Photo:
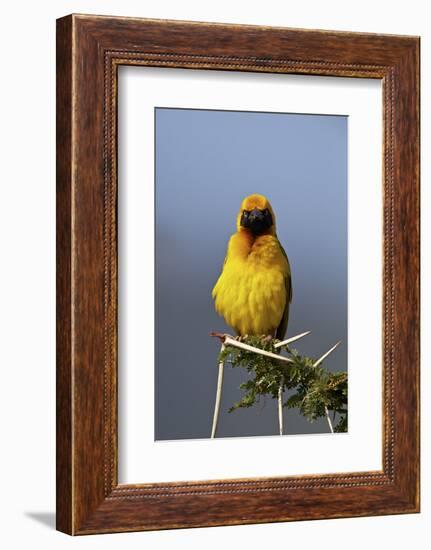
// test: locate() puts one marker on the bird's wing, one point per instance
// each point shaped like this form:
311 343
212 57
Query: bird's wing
282 327
215 289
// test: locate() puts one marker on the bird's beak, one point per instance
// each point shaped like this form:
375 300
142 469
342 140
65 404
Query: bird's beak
256 216
257 220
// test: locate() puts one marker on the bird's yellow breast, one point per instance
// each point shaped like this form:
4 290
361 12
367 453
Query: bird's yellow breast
251 292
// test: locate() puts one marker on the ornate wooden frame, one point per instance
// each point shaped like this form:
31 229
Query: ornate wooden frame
89 50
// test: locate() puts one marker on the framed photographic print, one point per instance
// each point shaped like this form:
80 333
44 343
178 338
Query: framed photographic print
237 274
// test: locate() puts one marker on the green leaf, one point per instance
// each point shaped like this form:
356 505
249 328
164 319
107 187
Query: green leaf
314 387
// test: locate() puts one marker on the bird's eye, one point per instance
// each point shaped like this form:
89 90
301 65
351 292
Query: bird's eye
245 213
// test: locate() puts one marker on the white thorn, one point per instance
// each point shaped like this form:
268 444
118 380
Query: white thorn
231 342
292 339
329 420
317 363
325 355
280 409
218 396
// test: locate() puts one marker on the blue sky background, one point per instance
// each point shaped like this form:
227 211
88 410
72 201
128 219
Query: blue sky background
206 163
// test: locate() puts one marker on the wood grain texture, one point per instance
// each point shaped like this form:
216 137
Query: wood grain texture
90 49
64 495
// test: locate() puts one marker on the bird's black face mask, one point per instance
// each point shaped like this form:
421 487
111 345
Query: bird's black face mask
258 221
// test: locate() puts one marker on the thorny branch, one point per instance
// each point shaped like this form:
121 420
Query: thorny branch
316 391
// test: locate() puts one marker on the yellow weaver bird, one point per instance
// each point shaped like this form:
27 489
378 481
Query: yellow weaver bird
254 290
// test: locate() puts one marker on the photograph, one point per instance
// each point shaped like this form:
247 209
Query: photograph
251 279
237 272
215 275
